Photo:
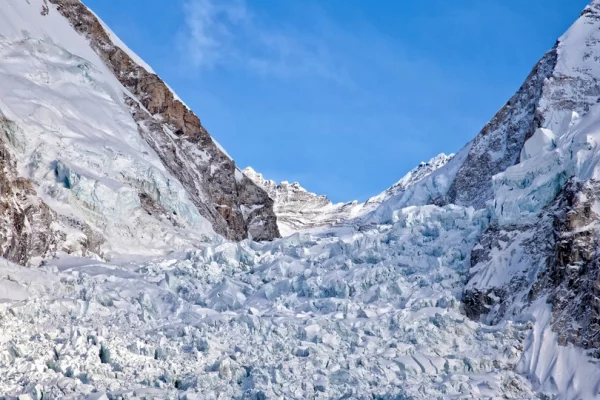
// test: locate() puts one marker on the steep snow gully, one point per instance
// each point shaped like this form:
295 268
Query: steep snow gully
129 268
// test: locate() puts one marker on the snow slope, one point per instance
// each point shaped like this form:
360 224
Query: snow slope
212 181
117 177
77 140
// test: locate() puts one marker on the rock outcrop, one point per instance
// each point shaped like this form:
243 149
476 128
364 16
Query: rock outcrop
561 88
236 207
555 259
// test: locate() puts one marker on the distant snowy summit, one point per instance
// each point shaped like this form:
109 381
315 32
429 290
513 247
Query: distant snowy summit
423 170
298 209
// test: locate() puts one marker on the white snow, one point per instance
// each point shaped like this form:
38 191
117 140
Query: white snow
431 187
564 370
543 140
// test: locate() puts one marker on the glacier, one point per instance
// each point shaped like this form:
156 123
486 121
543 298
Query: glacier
474 276
334 314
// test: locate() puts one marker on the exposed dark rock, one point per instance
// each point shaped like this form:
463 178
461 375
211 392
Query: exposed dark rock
235 206
499 143
477 303
562 264
573 277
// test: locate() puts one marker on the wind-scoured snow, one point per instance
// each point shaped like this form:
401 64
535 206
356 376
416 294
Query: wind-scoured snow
565 370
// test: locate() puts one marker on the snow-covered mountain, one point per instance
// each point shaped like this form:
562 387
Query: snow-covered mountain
298 209
109 158
475 276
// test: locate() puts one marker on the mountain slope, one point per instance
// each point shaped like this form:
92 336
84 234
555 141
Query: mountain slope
107 147
561 88
175 133
297 209
538 257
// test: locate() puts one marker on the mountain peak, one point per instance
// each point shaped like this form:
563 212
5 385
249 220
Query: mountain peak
298 209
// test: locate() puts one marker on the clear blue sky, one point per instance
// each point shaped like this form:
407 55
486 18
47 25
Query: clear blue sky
344 96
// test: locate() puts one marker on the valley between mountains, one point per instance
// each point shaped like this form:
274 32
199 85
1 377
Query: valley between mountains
139 262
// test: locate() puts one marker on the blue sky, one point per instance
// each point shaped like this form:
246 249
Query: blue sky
344 96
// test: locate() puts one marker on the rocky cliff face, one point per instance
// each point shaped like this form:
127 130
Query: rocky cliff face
573 274
561 88
298 209
232 203
554 260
